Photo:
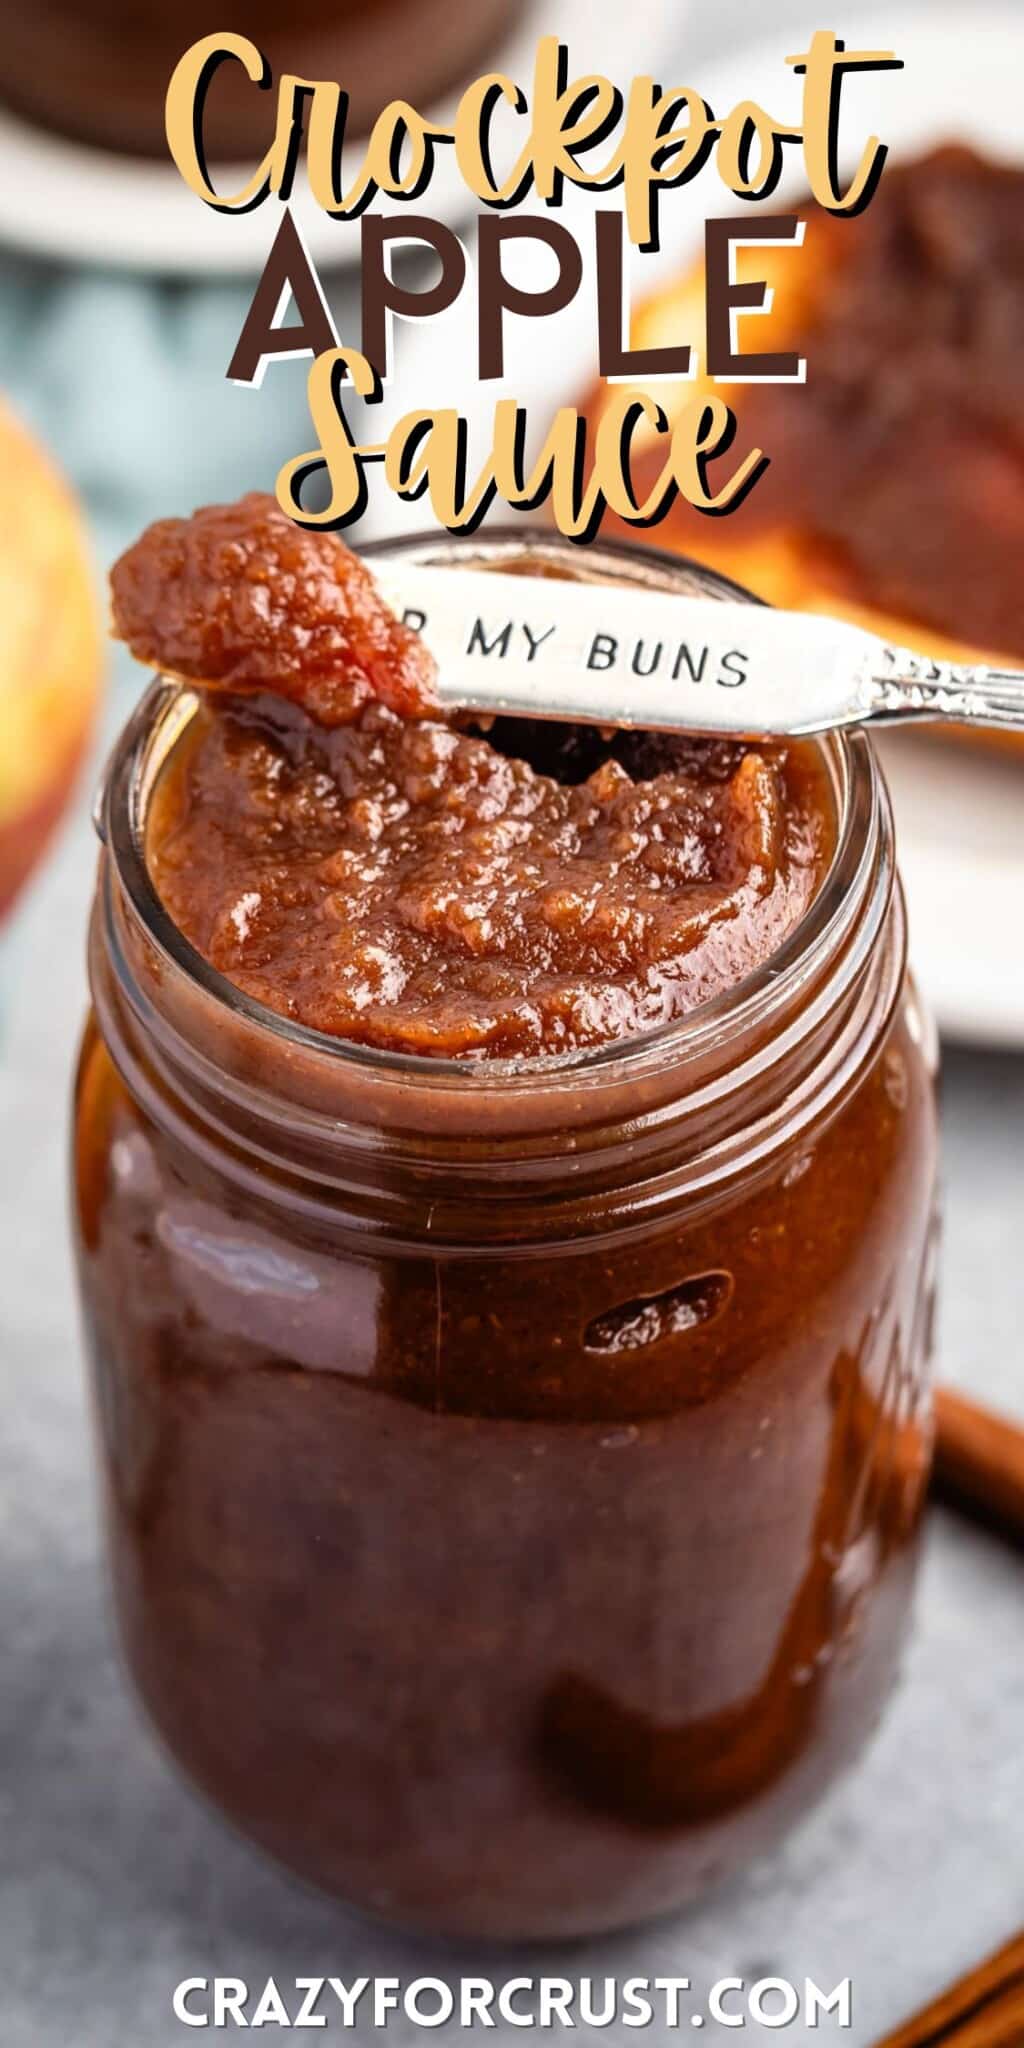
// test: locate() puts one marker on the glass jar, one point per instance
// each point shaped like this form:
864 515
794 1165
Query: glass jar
512 1474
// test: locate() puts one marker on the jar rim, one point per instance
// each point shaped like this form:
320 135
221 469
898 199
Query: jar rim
749 1006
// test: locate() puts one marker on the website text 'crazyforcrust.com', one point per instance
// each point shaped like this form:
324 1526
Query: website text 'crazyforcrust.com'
527 2002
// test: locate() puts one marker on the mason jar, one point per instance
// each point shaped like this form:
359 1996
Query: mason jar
512 1472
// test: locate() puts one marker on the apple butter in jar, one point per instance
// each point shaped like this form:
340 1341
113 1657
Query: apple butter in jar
504 1167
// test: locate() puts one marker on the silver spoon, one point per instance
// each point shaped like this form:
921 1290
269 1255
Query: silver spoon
630 655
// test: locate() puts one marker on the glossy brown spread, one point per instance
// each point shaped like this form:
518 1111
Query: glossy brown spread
240 598
399 882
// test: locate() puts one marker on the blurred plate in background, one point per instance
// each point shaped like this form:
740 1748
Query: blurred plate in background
960 838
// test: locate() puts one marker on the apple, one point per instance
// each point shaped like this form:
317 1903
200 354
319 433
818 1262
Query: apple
50 650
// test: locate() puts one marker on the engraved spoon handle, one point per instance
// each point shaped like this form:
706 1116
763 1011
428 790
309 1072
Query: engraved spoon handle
909 686
641 656
669 661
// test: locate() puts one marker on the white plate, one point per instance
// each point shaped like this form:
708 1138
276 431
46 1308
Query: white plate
960 832
63 199
959 813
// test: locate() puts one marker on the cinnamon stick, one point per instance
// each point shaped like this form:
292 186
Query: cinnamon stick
979 1465
984 2010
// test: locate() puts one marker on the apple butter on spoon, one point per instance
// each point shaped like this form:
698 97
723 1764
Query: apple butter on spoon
240 598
